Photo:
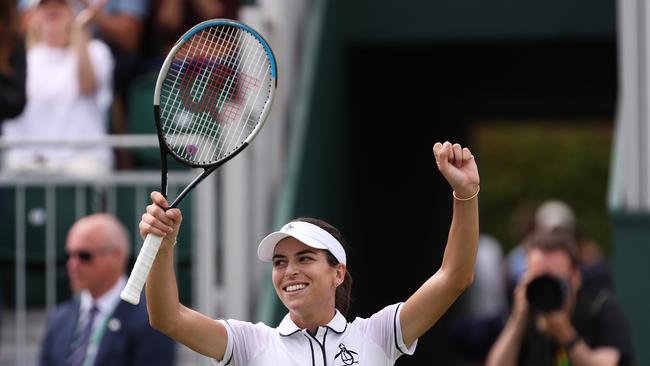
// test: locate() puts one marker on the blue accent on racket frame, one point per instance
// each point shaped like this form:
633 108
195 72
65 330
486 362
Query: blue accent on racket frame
217 22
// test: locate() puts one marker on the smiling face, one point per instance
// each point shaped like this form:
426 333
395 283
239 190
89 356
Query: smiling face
305 282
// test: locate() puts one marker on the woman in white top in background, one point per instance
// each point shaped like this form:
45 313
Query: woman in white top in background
311 279
68 93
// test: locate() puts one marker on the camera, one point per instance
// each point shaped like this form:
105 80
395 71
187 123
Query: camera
547 293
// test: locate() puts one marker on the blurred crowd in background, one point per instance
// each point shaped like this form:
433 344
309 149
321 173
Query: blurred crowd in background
487 310
70 66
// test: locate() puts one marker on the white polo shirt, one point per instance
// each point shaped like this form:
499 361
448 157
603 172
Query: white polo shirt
375 341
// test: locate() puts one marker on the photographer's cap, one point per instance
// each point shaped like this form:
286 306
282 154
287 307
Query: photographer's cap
555 214
308 234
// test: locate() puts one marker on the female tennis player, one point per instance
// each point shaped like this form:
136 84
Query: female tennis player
310 278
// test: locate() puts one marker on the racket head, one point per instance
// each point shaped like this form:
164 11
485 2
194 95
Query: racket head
214 92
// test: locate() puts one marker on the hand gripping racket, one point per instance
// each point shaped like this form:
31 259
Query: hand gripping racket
212 95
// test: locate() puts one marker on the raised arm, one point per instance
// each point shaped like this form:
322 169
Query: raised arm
435 296
166 313
80 39
121 29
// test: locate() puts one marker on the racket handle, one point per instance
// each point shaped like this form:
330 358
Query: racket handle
134 285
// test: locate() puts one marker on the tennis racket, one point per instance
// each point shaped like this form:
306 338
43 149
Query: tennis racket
212 96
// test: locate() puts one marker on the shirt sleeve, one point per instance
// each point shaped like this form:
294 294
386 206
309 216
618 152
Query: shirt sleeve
385 330
245 341
611 330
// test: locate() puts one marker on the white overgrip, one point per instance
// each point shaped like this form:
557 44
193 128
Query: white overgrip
138 277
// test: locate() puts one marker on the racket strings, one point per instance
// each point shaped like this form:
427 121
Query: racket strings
232 109
187 70
248 86
168 90
229 88
257 62
213 93
204 128
249 124
197 66
197 71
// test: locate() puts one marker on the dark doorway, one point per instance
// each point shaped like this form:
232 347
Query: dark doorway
402 98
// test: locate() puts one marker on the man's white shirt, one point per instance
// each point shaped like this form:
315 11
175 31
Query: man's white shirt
375 341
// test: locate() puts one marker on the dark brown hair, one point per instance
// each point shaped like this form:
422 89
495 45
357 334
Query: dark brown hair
551 240
344 290
8 34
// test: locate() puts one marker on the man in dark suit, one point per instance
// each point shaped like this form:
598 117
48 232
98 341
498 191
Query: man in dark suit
96 327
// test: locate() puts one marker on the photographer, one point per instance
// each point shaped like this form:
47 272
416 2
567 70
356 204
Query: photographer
555 323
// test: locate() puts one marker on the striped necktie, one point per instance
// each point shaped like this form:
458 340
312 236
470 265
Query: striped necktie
77 351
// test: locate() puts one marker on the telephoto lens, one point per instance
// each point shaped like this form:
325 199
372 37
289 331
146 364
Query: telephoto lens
547 293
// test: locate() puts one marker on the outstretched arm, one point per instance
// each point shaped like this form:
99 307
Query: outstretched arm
423 309
166 313
80 39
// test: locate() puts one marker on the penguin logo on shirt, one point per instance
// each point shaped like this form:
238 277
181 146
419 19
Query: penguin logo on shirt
347 356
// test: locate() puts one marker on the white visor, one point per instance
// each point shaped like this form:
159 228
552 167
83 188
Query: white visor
308 234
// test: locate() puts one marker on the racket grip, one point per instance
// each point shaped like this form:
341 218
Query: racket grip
134 285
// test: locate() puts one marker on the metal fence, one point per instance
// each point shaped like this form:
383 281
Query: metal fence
37 210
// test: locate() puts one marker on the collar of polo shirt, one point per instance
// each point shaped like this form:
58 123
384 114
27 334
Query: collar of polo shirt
287 327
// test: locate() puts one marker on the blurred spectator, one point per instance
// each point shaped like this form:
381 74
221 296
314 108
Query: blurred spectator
488 294
484 304
171 18
580 327
68 93
12 75
522 223
557 215
596 271
550 215
12 62
120 23
96 327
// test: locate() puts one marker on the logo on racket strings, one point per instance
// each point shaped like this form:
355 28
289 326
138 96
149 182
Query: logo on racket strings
214 88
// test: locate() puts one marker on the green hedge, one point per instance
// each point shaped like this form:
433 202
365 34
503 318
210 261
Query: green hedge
523 163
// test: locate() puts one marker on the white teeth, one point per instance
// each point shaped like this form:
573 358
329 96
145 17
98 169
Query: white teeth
293 288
